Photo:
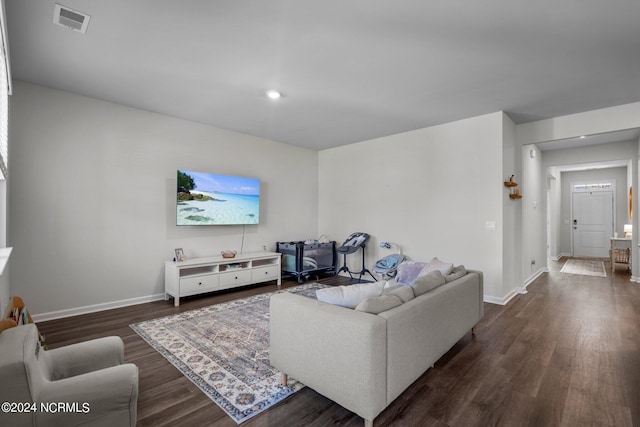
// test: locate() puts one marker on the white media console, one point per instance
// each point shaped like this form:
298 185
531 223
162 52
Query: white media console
201 275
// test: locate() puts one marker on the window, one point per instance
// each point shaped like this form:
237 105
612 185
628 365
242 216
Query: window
592 187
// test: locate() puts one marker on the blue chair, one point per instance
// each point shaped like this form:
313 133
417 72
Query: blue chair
388 266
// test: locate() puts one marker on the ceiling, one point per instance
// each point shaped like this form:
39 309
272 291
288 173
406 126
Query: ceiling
349 70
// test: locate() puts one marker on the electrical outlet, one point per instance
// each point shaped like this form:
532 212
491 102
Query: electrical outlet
533 262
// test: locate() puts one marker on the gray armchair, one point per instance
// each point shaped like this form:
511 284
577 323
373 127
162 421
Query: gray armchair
84 384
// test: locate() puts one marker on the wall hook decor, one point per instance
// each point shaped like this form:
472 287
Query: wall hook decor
513 186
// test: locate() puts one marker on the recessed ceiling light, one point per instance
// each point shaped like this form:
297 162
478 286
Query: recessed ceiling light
583 137
274 94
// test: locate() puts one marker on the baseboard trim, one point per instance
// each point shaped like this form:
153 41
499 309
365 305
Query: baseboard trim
60 314
515 291
533 277
500 301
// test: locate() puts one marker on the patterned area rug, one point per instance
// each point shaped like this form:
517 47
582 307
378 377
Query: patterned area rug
224 350
585 267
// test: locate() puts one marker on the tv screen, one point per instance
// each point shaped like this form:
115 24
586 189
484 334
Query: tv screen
211 199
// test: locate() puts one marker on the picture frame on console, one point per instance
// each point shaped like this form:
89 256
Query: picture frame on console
179 254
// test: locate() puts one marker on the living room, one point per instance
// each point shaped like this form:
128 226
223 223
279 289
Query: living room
121 161
90 209
107 249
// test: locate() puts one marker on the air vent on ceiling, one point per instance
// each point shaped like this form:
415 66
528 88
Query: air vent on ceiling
71 19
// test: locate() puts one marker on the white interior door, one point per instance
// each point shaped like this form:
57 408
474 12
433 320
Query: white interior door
592 223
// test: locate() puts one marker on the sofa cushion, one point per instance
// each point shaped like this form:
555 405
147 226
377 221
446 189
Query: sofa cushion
404 292
375 305
435 264
428 282
456 273
408 271
351 295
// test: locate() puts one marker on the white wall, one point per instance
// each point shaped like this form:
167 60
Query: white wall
91 197
512 214
430 190
611 119
554 213
593 154
534 246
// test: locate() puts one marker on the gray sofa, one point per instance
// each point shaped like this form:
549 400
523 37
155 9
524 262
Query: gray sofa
84 384
363 361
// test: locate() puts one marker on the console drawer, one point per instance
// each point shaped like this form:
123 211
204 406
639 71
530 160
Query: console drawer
235 278
198 284
266 273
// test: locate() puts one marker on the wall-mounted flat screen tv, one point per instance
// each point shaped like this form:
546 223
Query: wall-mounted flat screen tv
212 199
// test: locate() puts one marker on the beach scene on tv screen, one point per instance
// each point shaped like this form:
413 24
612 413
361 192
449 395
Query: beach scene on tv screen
211 199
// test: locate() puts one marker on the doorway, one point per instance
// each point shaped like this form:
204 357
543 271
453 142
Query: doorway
562 182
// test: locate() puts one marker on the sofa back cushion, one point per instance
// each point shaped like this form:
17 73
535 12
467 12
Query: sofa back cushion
428 282
350 296
375 305
404 292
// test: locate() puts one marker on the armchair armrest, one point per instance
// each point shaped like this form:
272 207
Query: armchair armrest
77 359
109 394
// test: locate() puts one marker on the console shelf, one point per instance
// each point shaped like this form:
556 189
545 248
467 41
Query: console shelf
201 275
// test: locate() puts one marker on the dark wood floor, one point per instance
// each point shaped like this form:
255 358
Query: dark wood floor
567 353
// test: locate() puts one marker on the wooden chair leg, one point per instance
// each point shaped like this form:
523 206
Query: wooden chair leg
283 379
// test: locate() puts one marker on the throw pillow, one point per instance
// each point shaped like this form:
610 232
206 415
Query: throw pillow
375 305
435 264
351 295
428 282
456 273
404 292
408 271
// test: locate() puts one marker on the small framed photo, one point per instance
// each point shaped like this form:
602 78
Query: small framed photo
179 254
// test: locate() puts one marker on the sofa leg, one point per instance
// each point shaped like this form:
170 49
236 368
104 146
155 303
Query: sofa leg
368 423
474 330
283 379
